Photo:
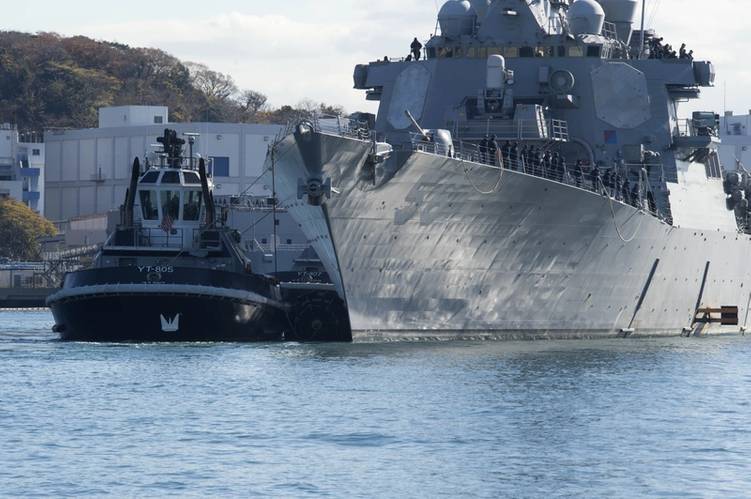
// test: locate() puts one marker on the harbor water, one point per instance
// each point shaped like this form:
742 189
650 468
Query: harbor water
615 418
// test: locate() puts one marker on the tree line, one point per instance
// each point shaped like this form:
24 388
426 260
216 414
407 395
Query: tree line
50 81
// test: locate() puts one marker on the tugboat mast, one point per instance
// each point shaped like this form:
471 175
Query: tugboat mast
273 207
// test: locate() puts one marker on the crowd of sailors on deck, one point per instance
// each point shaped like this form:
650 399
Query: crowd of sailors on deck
659 51
534 160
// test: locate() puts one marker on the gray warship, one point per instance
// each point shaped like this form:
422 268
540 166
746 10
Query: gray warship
529 174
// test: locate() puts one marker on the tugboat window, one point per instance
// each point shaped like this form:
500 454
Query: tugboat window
149 206
171 178
191 178
150 178
171 204
192 205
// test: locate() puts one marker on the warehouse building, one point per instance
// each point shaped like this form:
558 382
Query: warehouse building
22 167
735 132
87 170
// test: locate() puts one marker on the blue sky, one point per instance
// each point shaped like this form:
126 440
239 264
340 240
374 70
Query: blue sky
303 49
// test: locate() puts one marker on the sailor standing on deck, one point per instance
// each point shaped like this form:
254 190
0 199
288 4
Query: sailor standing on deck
514 157
596 180
506 154
416 48
578 173
626 191
492 151
484 150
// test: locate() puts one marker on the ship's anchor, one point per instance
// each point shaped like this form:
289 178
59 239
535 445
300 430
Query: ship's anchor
315 188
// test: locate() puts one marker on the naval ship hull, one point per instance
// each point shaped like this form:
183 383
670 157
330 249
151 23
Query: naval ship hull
167 309
434 250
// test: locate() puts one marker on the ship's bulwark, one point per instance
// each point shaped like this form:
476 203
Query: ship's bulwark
427 254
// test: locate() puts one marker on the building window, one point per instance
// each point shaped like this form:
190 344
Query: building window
158 120
36 152
221 166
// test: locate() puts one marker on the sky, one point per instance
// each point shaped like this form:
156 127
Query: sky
293 50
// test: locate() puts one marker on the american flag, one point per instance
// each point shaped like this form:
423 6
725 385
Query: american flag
167 224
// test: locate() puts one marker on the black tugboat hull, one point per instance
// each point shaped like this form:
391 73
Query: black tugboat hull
167 317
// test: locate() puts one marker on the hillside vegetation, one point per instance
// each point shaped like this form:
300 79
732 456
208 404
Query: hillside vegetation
50 81
20 230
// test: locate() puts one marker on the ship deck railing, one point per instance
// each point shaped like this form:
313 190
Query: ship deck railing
343 127
688 135
552 130
688 128
602 180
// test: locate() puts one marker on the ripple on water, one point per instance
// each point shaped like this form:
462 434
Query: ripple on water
620 418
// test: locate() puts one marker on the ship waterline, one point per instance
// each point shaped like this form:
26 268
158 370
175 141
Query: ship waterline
436 250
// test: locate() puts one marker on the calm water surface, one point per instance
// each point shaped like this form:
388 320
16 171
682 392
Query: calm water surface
581 418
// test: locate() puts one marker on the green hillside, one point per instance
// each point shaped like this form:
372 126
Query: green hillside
50 81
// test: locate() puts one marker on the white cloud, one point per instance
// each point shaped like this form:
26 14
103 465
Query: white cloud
717 31
287 59
309 51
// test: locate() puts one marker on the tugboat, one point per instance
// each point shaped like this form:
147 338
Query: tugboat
173 271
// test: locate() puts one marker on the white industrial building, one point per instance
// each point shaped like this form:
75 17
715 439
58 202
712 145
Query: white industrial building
87 171
22 161
735 132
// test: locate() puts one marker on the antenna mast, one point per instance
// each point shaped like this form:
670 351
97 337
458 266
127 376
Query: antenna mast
643 16
273 207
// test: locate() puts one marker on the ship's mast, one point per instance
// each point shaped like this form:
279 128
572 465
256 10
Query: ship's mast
643 16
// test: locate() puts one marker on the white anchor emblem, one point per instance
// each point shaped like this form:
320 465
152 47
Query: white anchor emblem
170 326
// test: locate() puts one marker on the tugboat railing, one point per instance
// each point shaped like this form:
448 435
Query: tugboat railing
141 238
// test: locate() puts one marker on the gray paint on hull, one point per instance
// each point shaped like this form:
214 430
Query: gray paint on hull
425 251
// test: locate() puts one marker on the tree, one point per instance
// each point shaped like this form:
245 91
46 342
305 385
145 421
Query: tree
251 104
21 228
214 85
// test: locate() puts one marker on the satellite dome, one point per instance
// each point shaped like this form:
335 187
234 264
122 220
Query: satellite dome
620 10
586 17
456 18
622 13
480 7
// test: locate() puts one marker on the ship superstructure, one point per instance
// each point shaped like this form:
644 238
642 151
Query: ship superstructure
529 174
